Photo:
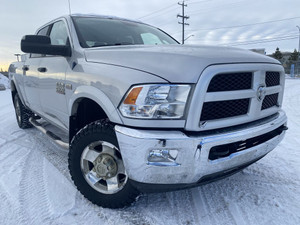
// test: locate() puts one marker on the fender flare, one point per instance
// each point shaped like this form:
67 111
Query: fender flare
97 96
13 82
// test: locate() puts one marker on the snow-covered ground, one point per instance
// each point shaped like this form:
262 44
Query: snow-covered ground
35 185
4 80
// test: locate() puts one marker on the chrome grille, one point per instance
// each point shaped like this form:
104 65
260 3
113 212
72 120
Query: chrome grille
215 105
224 83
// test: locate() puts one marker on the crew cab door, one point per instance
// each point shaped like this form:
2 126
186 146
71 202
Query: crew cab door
31 77
52 75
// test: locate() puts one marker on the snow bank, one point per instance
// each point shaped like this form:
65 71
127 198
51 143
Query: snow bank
4 80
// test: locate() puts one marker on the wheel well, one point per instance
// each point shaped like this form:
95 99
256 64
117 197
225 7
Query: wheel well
84 112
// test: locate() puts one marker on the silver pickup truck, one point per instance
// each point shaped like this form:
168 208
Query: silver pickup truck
141 113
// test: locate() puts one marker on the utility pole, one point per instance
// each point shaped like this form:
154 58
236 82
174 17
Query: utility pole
183 17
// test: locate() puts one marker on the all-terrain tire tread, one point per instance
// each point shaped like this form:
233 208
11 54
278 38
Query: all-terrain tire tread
107 129
26 114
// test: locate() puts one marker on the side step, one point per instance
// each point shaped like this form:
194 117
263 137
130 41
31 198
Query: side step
54 137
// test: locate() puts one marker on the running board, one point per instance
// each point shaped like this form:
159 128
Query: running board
54 137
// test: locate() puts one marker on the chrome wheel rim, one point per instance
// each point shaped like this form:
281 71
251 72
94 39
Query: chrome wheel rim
102 167
18 111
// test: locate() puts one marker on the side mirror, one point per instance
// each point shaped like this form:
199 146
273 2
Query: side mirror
40 44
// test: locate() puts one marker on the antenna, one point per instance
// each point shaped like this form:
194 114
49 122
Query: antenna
69 1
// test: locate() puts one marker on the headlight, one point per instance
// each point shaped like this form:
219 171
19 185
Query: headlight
158 101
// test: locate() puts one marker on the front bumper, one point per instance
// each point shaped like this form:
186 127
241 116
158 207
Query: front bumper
191 163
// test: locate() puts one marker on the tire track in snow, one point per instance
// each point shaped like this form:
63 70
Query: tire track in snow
199 204
12 164
181 203
174 204
230 209
56 155
203 200
258 193
5 155
32 191
188 203
8 141
276 181
212 207
8 218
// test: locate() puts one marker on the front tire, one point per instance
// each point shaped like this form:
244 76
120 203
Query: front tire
97 169
22 114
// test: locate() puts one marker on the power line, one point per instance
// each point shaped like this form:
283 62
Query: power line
283 39
157 11
245 25
217 7
168 8
238 26
293 34
197 2
260 41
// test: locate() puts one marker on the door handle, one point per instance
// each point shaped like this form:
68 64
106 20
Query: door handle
42 69
25 68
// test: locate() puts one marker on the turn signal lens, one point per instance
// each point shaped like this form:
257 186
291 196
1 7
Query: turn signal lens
132 96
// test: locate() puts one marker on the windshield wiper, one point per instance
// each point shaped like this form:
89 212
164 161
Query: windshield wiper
106 45
123 43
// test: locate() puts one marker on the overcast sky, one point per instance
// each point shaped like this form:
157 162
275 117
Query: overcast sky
242 23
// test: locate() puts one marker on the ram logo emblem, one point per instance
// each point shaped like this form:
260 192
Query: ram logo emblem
261 92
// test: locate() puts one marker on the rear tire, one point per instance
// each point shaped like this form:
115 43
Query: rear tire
22 114
97 169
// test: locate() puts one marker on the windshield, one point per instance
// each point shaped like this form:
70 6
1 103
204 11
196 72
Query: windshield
98 32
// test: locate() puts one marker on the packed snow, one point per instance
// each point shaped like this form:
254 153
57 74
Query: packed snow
35 185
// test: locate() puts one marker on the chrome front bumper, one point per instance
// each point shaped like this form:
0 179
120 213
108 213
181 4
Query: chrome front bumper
190 154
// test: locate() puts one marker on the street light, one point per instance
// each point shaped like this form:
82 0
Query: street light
298 52
17 56
189 37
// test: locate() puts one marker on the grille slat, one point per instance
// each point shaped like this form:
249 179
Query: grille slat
224 109
270 101
230 82
272 79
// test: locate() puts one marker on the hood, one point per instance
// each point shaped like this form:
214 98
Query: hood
174 63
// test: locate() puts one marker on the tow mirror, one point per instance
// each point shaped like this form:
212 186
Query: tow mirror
40 44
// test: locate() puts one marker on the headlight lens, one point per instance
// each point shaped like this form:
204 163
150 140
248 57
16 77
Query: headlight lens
155 101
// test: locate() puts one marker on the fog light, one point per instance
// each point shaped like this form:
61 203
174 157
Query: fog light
163 157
